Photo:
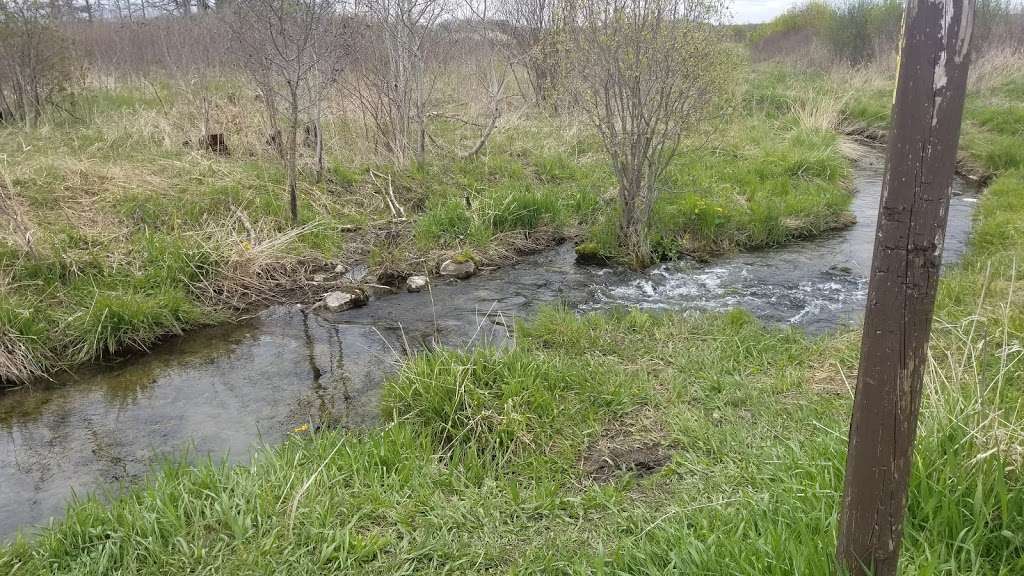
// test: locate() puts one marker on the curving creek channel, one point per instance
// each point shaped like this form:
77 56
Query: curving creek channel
227 390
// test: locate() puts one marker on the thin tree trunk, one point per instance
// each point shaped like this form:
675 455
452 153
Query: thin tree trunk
275 127
318 126
206 118
292 152
633 227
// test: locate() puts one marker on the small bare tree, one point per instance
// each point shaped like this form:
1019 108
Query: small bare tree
648 74
397 70
489 76
533 26
34 60
291 49
192 53
483 62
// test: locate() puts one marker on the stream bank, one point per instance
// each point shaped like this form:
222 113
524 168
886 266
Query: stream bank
224 390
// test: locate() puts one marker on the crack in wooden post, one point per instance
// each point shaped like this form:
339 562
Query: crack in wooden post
925 130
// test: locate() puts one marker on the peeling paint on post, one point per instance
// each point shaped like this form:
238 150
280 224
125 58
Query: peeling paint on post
923 138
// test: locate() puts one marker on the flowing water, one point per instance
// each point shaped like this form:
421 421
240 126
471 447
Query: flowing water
224 391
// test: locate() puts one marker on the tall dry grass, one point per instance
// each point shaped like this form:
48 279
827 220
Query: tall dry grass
995 66
15 225
822 111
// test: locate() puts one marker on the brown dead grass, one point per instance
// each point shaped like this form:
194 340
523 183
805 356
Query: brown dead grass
15 225
994 67
634 444
836 372
18 363
258 267
823 112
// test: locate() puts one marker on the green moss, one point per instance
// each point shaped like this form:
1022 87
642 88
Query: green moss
464 256
591 253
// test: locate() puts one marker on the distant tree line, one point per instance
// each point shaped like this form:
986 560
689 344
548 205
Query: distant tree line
857 32
124 10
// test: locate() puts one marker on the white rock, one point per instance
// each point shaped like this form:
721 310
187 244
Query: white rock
416 283
339 301
460 270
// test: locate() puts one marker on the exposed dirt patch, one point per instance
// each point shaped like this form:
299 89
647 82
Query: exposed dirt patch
639 460
635 444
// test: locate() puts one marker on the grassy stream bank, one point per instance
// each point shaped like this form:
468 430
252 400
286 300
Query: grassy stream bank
122 235
628 442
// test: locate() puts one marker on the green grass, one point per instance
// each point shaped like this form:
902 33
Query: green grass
133 227
482 465
772 187
514 189
478 469
768 178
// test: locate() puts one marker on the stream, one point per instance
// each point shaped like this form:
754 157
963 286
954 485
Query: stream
224 391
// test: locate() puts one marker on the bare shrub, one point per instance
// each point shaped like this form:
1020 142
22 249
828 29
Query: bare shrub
649 75
195 54
153 46
492 78
476 91
533 27
864 30
397 69
292 51
801 33
998 26
35 61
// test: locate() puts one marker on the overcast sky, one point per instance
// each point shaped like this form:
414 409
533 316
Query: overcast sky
746 11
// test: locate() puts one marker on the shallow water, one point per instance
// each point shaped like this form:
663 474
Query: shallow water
225 390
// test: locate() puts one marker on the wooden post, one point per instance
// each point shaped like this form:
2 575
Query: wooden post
922 146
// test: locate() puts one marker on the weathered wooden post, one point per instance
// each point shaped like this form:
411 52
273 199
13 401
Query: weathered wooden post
922 146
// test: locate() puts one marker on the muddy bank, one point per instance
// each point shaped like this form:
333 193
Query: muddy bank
966 168
223 391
